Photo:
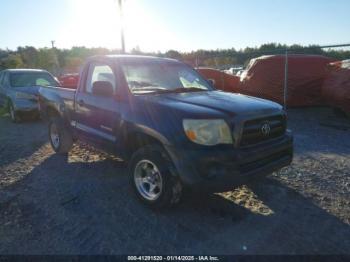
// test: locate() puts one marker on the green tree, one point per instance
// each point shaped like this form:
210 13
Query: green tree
72 64
29 56
12 61
173 54
47 59
69 60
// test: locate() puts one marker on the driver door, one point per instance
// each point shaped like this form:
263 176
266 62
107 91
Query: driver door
96 116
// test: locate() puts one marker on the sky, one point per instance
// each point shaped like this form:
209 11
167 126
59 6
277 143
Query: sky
184 25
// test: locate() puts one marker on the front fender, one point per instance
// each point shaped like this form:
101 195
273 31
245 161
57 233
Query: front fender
130 133
150 132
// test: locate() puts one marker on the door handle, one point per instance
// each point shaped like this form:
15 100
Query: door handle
81 102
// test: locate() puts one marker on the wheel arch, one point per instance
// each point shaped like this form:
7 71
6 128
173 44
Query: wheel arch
52 111
137 139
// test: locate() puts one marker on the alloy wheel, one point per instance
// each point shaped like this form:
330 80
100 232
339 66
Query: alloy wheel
148 180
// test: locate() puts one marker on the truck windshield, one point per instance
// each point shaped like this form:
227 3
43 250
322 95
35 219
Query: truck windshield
32 79
160 77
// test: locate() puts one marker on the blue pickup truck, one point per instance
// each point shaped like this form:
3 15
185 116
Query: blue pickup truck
173 129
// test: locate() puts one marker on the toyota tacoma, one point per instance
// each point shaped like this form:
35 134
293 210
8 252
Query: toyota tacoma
170 125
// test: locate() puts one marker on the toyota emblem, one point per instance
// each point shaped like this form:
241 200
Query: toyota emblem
265 129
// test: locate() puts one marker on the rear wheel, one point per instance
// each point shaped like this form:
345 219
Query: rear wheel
153 178
60 137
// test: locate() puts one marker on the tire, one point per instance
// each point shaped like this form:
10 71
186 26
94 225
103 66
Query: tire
13 113
60 137
150 167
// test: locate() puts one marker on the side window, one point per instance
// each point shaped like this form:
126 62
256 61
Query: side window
100 72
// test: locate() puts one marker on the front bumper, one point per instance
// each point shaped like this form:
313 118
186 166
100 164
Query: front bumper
24 106
221 169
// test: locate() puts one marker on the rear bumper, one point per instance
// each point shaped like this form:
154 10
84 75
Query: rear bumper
220 170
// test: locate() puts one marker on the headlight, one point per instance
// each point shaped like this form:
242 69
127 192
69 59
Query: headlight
21 95
207 132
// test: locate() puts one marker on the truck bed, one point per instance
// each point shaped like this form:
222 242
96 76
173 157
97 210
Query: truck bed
58 97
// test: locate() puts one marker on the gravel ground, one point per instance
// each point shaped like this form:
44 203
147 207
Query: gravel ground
82 205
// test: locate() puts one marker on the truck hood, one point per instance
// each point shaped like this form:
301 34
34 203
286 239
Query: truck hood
207 102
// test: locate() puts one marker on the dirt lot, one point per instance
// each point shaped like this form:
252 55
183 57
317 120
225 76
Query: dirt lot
82 205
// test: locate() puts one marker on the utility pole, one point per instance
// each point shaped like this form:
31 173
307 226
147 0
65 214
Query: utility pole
55 66
122 25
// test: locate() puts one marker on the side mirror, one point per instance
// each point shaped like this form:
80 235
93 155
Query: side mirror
102 88
211 81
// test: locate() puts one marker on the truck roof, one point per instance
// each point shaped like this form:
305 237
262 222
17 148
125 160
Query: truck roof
134 58
18 70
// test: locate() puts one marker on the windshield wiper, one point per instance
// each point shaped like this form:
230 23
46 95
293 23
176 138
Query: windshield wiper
148 89
162 90
182 90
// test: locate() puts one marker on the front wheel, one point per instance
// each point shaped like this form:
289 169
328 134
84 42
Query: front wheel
153 178
60 137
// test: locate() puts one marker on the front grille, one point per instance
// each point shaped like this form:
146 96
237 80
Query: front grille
252 130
